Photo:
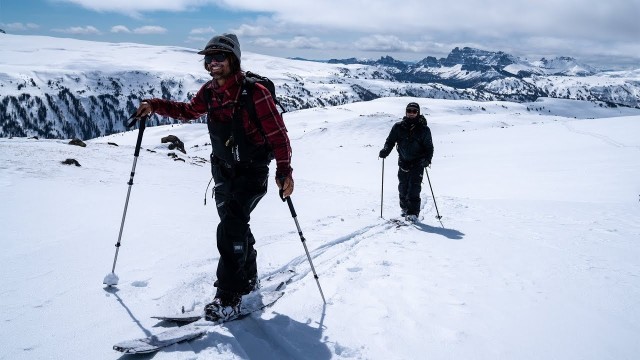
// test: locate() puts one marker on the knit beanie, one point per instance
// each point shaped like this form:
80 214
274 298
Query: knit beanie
224 42
413 105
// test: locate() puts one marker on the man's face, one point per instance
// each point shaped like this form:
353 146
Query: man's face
218 64
412 113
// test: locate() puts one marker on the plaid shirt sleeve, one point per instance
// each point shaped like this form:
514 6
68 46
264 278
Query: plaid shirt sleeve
181 110
274 130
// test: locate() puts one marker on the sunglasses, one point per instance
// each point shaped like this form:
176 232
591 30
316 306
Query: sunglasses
217 57
412 111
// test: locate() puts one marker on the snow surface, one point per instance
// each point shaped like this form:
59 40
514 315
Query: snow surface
537 255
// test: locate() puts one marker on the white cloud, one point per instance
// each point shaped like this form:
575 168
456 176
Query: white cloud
17 26
254 30
79 30
388 43
419 24
612 18
144 30
120 29
133 8
488 17
298 42
201 31
149 30
196 40
604 19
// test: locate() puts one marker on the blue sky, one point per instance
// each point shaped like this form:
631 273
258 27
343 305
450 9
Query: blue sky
599 33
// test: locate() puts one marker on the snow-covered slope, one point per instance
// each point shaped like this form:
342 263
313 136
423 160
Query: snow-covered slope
87 89
65 88
536 256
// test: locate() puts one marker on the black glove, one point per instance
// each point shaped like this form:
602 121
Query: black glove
382 154
425 162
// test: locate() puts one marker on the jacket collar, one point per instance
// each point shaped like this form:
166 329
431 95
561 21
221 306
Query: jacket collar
233 81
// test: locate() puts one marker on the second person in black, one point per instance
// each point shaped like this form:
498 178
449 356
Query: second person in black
415 151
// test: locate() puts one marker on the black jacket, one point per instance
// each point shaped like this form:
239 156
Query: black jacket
415 146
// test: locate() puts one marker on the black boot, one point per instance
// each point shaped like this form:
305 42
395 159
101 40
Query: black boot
225 306
252 285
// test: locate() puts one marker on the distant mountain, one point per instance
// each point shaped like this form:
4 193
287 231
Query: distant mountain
383 61
499 75
468 67
303 59
565 66
88 89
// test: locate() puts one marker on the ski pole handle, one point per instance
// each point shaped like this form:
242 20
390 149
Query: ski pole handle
289 203
143 125
134 119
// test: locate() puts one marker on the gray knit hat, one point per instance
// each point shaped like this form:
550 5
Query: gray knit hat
224 42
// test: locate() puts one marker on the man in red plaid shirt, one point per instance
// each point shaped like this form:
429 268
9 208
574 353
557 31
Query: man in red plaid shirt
242 150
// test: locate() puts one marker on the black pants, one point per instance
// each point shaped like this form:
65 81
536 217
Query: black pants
409 187
237 192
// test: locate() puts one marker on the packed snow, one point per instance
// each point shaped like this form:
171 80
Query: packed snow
535 257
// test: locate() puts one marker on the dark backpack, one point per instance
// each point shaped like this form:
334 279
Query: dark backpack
246 100
240 146
249 83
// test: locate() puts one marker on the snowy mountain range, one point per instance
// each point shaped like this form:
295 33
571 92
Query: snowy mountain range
497 64
65 88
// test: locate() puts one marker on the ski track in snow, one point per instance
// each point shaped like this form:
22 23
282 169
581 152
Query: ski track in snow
599 136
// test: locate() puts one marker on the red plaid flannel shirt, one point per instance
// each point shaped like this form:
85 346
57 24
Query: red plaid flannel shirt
222 98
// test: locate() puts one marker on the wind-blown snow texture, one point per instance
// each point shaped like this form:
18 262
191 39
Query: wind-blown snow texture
537 257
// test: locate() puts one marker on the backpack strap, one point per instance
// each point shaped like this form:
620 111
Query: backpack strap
268 84
246 101
208 93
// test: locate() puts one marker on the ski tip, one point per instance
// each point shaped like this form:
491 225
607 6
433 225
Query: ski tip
187 317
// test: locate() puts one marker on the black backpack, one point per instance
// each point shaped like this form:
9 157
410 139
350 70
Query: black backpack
241 146
249 83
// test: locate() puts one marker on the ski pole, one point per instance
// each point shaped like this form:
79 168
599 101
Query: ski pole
382 190
295 218
434 197
112 278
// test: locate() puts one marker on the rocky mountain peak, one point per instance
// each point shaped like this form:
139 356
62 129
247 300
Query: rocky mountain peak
471 56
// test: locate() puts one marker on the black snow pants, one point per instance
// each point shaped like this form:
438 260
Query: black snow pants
237 192
409 187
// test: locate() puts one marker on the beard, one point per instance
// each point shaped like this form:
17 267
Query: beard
219 71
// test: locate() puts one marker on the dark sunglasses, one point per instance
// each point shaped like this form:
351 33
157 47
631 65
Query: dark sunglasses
217 57
412 111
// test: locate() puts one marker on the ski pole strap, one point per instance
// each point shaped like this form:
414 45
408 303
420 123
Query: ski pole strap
133 118
206 191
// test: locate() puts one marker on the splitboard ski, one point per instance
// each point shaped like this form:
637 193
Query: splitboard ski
176 335
267 295
398 222
156 342
275 282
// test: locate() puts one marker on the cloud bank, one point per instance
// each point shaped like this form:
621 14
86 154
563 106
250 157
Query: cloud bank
540 27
